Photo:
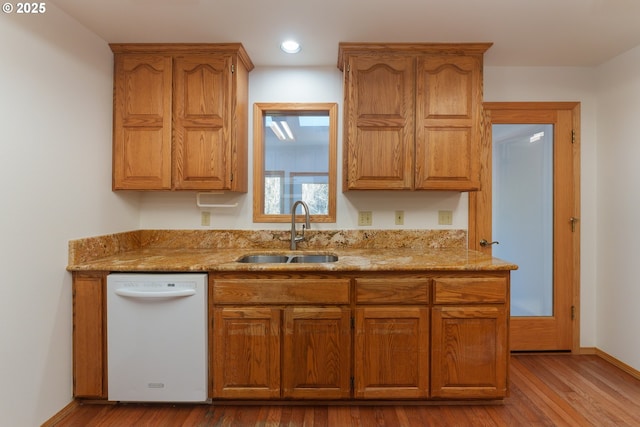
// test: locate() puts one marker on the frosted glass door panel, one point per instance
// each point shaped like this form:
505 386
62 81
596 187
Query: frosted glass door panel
523 213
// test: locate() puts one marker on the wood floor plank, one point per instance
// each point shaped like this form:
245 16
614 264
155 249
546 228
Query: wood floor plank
84 415
545 391
558 410
339 416
521 408
402 413
624 387
598 399
501 416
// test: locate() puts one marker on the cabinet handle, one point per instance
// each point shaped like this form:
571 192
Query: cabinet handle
484 243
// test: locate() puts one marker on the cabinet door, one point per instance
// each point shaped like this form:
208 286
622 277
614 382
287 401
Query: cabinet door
448 107
379 122
89 341
317 351
202 122
392 352
246 352
469 352
142 122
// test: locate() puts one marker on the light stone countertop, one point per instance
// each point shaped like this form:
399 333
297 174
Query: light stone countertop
189 251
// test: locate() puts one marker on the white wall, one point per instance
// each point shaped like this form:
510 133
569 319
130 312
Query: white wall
618 292
55 122
322 84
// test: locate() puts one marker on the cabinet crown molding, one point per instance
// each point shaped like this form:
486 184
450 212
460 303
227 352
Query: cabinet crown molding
347 48
185 48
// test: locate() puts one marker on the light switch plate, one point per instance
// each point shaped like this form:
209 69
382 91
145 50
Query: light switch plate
365 218
445 217
205 218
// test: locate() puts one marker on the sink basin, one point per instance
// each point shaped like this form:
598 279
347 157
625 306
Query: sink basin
284 259
264 259
313 258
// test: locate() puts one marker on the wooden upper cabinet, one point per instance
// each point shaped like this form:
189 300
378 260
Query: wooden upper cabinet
448 111
412 115
201 119
180 117
379 122
142 122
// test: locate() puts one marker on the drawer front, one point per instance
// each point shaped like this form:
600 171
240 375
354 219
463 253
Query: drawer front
392 291
489 290
281 291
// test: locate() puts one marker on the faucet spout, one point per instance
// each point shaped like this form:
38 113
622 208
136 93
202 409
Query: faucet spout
307 224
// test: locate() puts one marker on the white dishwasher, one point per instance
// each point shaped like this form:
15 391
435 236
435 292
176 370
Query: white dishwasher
157 337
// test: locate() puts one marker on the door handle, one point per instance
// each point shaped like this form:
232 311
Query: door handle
484 243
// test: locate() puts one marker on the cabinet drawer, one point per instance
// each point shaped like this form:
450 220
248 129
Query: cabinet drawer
392 291
281 291
489 290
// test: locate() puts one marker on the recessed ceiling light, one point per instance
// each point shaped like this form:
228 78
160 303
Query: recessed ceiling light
290 46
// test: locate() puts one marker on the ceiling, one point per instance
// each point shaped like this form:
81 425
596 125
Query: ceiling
524 32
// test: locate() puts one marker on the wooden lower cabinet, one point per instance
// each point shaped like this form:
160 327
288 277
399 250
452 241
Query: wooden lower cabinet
89 336
317 353
391 358
246 352
305 336
374 336
281 337
469 338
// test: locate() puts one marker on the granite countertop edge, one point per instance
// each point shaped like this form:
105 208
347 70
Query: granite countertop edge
349 260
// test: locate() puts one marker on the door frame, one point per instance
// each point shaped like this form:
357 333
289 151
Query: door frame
480 218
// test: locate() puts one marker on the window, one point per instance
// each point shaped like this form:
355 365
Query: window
294 159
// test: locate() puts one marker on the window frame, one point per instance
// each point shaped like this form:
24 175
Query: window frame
259 110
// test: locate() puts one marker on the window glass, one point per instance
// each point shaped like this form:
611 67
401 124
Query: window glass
294 159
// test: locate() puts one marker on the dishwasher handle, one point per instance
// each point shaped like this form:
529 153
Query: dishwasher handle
155 294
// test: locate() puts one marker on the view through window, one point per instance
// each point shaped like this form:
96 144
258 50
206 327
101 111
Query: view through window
295 155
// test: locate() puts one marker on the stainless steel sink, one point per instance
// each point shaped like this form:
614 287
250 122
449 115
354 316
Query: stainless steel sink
264 259
313 258
284 259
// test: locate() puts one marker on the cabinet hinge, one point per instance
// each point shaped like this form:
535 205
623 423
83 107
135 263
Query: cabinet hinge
233 68
353 323
352 382
573 312
573 136
348 67
232 177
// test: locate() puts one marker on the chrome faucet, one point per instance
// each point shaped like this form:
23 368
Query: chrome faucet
294 237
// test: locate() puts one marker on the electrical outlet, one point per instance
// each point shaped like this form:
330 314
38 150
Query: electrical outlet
399 217
205 218
365 218
445 217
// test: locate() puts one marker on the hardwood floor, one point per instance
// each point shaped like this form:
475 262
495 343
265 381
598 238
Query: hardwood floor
546 390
